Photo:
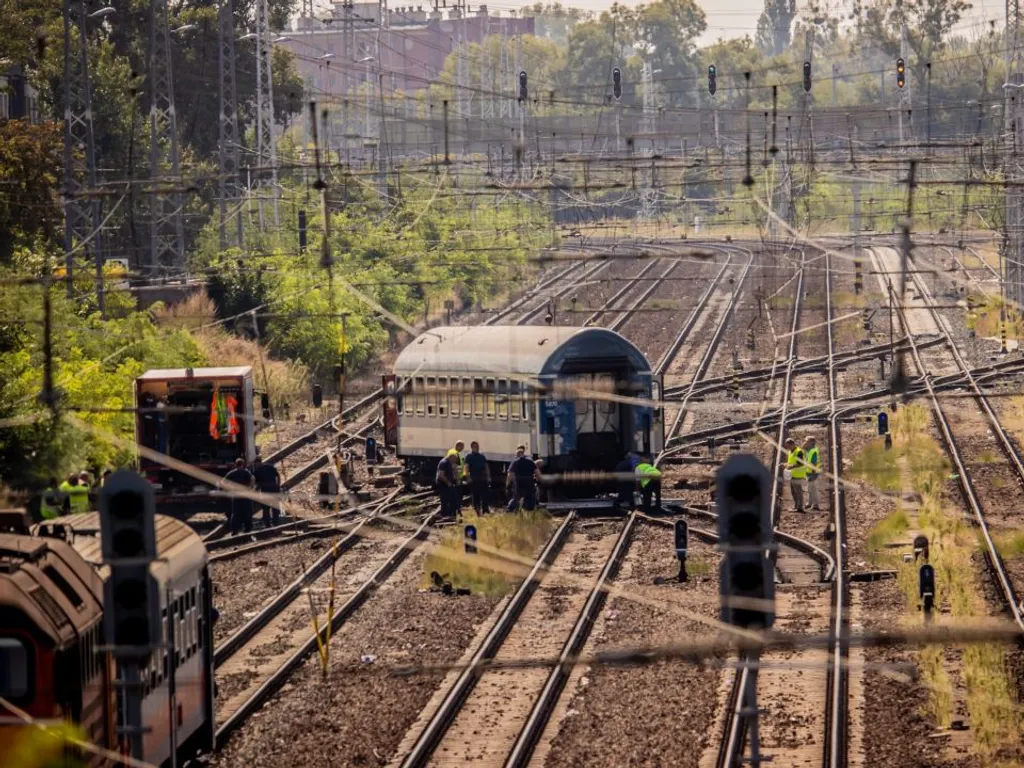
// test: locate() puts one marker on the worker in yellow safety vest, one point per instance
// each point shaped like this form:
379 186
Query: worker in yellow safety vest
77 495
812 457
51 501
796 471
649 478
454 455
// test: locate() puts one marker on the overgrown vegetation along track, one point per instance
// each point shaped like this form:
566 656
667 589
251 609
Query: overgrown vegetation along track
927 304
256 660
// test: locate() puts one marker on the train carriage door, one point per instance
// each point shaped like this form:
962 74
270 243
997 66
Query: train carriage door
390 411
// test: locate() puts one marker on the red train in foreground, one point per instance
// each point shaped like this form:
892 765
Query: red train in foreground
52 663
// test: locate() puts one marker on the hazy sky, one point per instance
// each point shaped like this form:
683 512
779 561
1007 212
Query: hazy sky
726 18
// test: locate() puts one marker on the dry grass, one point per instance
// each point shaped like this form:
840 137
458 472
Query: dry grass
286 382
995 721
520 534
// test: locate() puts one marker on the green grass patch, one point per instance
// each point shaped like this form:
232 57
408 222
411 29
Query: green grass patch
509 533
698 566
875 465
886 531
1009 545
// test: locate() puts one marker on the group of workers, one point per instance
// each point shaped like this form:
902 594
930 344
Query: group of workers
262 478
803 468
76 495
457 472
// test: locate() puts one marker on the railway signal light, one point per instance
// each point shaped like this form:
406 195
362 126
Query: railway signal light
921 547
807 76
131 596
470 535
712 75
522 85
318 396
617 83
743 489
901 73
926 587
682 537
302 231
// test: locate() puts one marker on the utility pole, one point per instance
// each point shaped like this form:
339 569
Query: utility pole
81 212
1013 201
167 236
228 166
266 145
905 100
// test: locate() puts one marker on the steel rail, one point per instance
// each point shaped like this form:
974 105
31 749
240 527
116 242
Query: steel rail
625 315
231 645
445 715
709 353
532 293
735 732
684 332
545 704
965 482
837 683
630 284
587 273
277 679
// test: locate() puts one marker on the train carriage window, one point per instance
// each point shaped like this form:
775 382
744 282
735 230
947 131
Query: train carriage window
502 399
14 669
420 395
467 398
526 403
489 398
431 394
515 400
442 395
405 399
582 406
478 398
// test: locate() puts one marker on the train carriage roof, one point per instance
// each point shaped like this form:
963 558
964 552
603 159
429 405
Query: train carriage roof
531 350
179 549
51 584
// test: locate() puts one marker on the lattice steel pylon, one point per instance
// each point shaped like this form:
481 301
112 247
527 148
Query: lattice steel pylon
167 236
1013 253
81 212
266 145
229 186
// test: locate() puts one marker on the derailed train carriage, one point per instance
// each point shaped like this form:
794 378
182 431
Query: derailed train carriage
508 385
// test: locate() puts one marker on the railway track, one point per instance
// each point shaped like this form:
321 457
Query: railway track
253 663
970 494
550 614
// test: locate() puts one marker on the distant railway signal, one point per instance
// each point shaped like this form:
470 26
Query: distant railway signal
807 76
523 91
901 73
712 75
743 489
617 83
470 539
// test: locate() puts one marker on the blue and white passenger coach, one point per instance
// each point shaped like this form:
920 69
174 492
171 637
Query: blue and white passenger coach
507 385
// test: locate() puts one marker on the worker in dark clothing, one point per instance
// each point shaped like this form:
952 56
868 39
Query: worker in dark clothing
626 482
479 477
268 480
522 481
649 478
241 506
448 490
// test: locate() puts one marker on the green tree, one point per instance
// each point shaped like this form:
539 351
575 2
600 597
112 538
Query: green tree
666 33
775 26
30 167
